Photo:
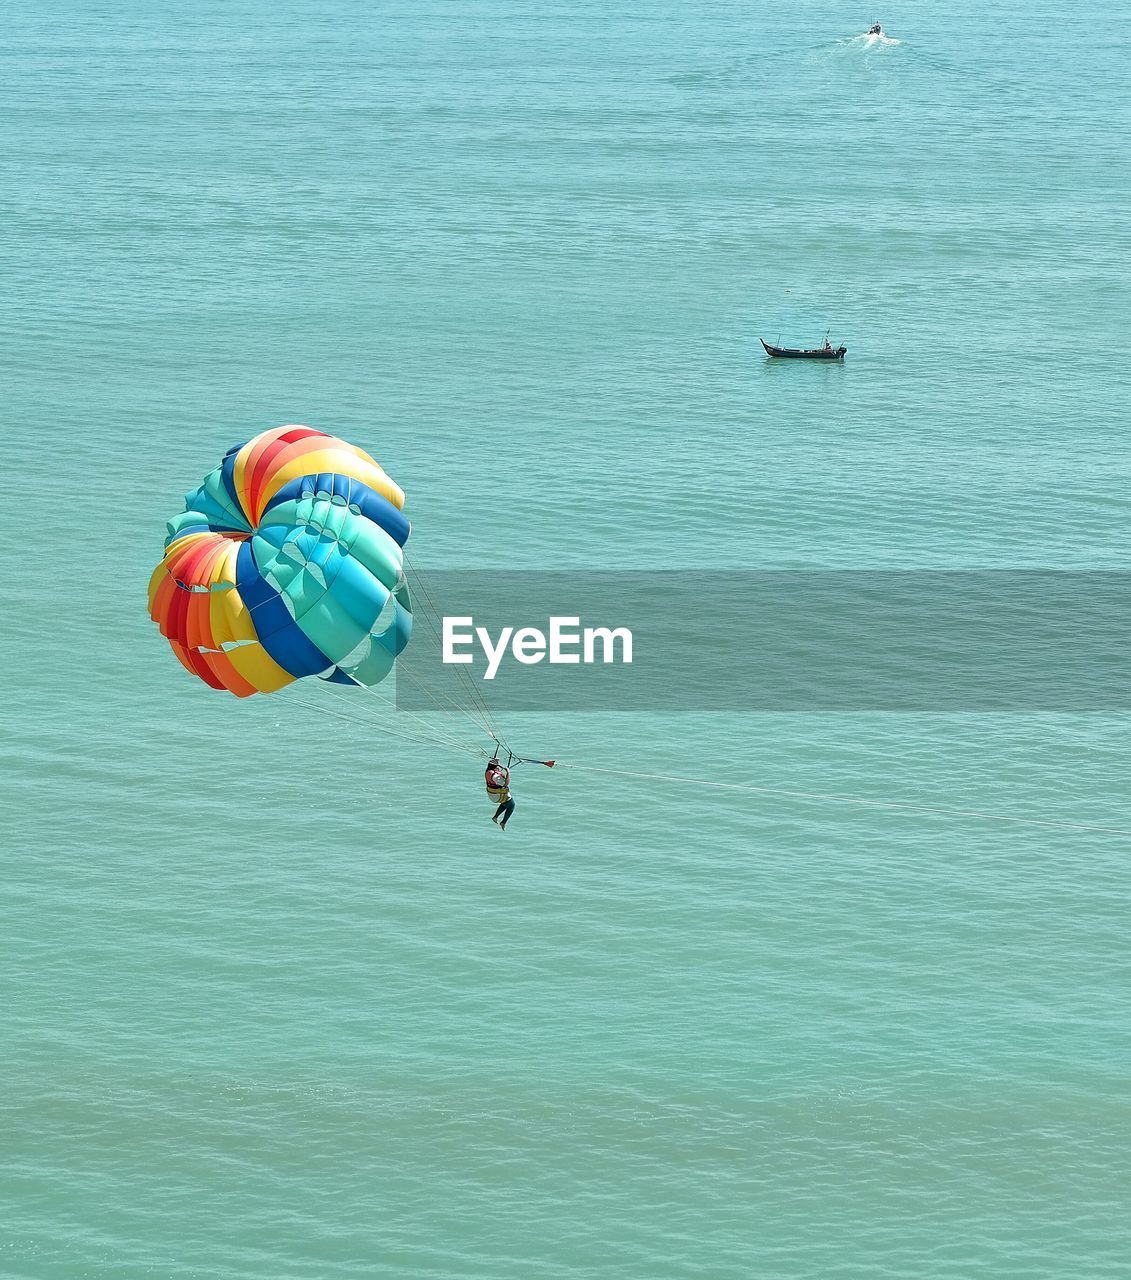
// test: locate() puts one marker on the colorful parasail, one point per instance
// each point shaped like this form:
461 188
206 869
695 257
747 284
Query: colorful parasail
286 562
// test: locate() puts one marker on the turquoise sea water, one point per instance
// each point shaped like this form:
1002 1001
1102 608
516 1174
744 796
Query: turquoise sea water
278 1001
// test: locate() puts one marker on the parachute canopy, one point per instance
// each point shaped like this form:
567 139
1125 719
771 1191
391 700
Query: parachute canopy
287 561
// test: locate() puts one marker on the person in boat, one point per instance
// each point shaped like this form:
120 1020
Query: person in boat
875 30
498 780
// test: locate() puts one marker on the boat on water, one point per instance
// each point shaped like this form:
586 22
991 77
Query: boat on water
827 352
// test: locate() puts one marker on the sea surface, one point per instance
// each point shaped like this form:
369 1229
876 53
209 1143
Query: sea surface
276 998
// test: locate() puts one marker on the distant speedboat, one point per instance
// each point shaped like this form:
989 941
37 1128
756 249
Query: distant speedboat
877 30
827 352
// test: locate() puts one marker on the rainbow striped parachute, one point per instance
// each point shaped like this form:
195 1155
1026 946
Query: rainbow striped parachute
286 562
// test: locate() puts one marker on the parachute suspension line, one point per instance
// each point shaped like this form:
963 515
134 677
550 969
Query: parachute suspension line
477 708
382 727
437 732
405 733
430 616
453 731
448 708
819 797
445 704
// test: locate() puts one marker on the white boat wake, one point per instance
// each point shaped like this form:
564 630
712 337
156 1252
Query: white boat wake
872 38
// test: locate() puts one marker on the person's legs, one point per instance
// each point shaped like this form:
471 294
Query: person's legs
509 809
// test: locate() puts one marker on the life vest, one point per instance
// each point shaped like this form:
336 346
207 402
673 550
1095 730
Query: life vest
496 794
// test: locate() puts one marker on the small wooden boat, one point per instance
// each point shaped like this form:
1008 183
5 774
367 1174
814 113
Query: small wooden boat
827 352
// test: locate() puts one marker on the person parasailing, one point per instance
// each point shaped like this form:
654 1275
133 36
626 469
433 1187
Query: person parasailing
497 777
